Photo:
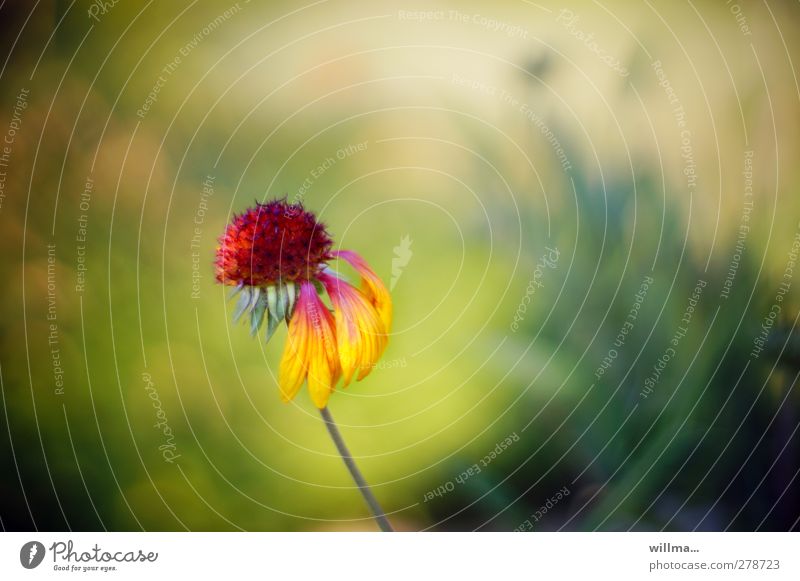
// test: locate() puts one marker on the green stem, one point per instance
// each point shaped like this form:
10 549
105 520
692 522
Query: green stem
363 487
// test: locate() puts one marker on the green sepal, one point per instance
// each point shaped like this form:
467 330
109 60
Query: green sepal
272 326
275 303
257 314
291 296
273 320
236 290
272 298
243 304
319 286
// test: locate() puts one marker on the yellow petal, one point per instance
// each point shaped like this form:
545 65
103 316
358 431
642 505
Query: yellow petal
372 286
293 366
360 333
318 357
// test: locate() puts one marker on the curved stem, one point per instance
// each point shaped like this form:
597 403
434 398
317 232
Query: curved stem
363 487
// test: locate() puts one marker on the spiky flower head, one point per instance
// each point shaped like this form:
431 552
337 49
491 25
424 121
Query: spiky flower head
272 243
275 256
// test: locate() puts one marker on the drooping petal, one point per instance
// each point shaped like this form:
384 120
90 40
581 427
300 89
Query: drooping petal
310 352
294 362
371 286
360 333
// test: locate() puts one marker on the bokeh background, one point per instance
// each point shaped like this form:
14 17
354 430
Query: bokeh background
544 186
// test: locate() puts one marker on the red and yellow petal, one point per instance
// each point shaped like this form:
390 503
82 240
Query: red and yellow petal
371 285
310 352
360 333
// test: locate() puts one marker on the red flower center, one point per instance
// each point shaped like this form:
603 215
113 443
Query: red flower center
272 242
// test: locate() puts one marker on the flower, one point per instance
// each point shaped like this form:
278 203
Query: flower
275 256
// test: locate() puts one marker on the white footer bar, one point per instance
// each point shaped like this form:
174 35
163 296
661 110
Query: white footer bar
356 556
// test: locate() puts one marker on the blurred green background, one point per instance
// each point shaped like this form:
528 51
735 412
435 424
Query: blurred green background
614 136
